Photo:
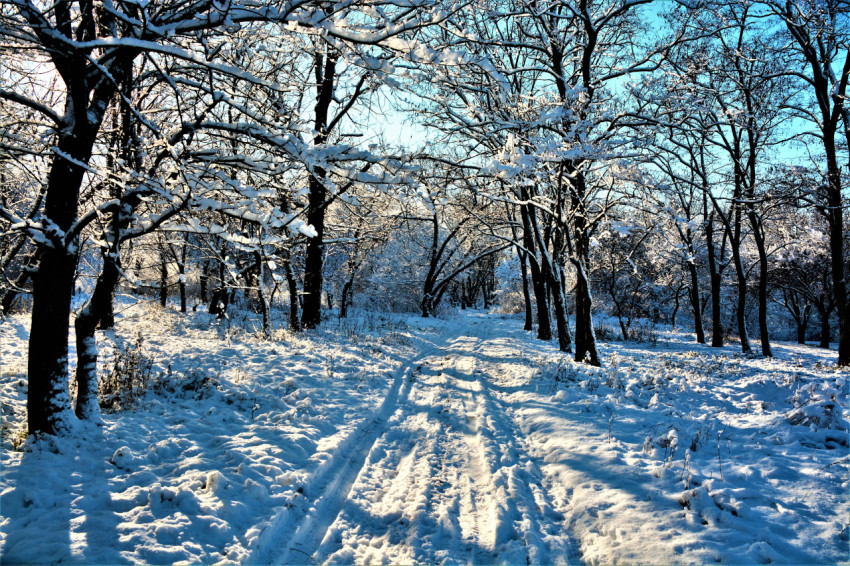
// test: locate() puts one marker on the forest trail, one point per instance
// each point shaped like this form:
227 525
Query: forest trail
457 440
441 473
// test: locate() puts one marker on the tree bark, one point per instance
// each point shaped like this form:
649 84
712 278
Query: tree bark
311 309
801 332
694 295
715 275
265 311
87 321
585 336
824 329
544 331
292 286
163 278
48 400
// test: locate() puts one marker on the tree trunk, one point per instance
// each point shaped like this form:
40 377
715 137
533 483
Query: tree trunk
48 401
427 304
714 270
181 274
544 331
764 332
292 286
585 337
163 279
99 304
675 308
526 294
740 314
624 330
311 313
801 332
311 309
265 311
824 329
564 340
346 292
835 216
696 303
204 280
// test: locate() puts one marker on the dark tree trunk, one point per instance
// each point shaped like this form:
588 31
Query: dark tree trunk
346 293
716 311
696 307
740 312
311 310
564 340
181 273
585 337
624 330
764 332
526 294
182 287
835 216
311 314
48 401
163 279
824 330
801 332
220 301
292 286
544 331
204 280
265 311
221 297
675 308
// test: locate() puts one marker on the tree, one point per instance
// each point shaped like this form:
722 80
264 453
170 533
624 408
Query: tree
819 34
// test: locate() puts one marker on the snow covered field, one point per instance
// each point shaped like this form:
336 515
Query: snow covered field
392 439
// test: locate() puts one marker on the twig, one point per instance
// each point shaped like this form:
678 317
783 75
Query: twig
840 460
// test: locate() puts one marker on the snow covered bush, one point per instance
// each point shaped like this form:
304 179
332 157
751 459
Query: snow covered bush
191 383
818 405
128 379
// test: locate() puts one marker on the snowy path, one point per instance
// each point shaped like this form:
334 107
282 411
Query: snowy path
439 441
445 477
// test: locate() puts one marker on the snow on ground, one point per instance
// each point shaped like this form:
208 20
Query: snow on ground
391 439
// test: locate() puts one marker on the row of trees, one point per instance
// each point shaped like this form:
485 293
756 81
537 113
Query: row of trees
239 138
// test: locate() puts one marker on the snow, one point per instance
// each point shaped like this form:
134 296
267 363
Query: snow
395 439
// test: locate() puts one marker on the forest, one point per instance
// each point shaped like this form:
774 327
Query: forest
363 184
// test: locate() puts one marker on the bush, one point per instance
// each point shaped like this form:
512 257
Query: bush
192 384
644 332
606 333
129 379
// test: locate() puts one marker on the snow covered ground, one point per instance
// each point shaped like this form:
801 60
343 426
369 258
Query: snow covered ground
391 439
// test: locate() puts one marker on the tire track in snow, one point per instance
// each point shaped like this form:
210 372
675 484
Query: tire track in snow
448 480
526 525
414 501
302 525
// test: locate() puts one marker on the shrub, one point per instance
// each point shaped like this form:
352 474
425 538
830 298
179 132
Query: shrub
129 378
605 333
644 332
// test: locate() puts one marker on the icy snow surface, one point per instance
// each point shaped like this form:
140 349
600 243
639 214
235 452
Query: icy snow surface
389 439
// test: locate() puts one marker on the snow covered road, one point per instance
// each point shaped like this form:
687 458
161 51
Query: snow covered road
395 439
479 459
446 479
